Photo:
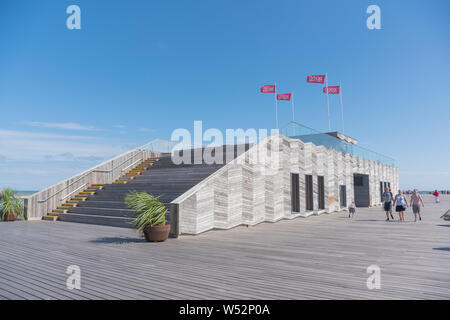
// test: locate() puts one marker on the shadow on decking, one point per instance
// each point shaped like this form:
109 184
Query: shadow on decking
443 225
356 219
442 249
118 240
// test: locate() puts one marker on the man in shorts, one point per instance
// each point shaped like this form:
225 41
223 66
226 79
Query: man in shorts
387 203
416 200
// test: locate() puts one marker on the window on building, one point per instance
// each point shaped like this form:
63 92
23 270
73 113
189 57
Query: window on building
381 191
321 191
309 192
295 192
358 180
343 196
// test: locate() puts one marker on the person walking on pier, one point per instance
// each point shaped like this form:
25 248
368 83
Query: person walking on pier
387 203
400 204
436 196
351 209
416 200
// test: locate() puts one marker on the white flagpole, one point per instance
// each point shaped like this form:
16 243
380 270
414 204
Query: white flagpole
276 105
293 108
342 106
328 102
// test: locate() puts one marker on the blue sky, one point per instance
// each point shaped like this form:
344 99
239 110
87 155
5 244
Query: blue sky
137 70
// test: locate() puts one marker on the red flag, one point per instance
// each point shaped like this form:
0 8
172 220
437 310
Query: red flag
284 96
268 89
331 89
319 78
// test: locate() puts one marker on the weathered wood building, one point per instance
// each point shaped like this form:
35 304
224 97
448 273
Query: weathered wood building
296 173
298 179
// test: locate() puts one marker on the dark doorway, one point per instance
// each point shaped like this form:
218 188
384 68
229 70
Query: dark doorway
361 188
309 192
321 189
381 191
295 193
343 196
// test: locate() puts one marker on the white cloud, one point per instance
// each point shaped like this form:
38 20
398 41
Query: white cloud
65 126
146 130
32 161
36 175
29 145
119 126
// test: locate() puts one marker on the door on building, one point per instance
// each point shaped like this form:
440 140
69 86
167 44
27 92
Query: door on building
309 192
295 193
381 191
361 189
321 191
343 196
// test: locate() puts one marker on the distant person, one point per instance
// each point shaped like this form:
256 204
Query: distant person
351 209
387 203
436 196
416 200
400 204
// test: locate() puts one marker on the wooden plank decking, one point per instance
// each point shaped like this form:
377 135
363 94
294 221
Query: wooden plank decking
320 257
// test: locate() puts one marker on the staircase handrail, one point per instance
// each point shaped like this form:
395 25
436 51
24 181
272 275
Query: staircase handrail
89 171
38 206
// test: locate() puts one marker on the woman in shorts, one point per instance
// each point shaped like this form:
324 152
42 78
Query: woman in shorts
400 204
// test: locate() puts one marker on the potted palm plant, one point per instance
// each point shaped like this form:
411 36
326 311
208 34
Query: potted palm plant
150 215
10 205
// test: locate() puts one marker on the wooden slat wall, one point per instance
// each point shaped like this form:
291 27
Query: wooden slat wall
249 186
48 199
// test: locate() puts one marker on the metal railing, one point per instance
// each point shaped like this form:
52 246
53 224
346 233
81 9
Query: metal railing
45 201
306 134
74 191
93 171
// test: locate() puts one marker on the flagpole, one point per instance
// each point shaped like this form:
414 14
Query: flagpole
342 106
293 108
276 105
328 101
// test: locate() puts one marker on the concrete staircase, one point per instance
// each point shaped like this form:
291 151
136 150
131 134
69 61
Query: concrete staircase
78 199
72 202
105 205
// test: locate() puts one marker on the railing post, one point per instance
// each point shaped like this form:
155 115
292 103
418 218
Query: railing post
25 201
174 220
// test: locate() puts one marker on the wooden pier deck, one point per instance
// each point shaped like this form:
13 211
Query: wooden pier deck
320 257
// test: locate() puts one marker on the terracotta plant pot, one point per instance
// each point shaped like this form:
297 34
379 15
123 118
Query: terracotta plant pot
10 216
157 233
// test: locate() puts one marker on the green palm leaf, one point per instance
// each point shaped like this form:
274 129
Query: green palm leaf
149 210
10 203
